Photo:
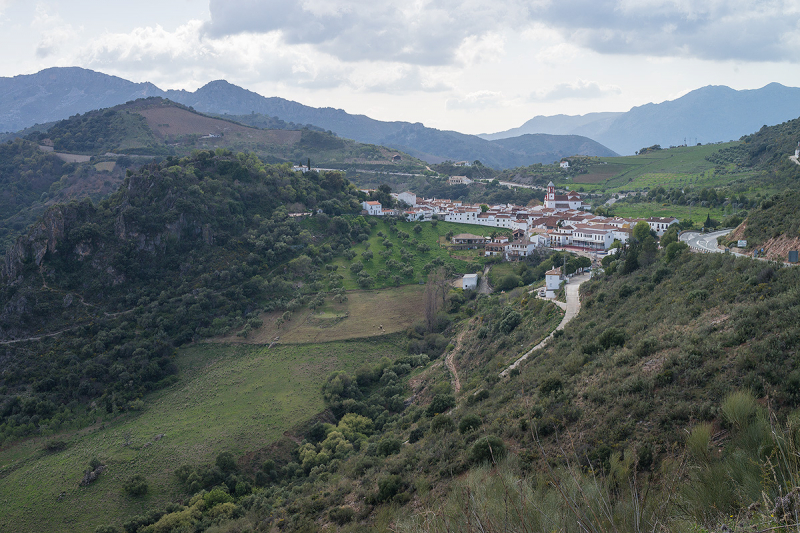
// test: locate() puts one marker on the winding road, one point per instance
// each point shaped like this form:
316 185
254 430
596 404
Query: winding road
571 309
703 242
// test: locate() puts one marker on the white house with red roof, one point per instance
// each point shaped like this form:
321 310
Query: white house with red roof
372 208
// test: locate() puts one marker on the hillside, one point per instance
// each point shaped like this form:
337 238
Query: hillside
605 408
543 146
773 228
32 180
222 98
706 115
166 259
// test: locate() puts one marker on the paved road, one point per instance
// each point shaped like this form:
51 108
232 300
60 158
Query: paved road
704 242
571 309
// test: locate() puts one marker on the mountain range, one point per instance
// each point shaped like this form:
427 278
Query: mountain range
709 114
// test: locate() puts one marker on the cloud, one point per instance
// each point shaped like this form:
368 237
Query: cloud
190 54
55 31
580 89
448 32
746 30
476 100
420 33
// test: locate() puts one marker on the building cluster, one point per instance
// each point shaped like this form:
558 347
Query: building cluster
564 221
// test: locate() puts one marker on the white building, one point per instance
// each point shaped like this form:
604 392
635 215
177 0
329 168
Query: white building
408 197
518 249
563 202
459 180
552 282
564 164
661 224
469 282
373 208
594 239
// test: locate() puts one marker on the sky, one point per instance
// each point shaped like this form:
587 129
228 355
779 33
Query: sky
475 66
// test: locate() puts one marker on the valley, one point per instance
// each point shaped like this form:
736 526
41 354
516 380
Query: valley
198 332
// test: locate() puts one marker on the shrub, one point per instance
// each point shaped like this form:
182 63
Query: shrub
511 319
388 446
550 384
135 485
416 435
226 462
440 404
341 515
611 337
490 448
388 487
442 423
739 408
510 281
469 423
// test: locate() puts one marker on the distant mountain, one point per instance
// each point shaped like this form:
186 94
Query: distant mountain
57 93
542 145
80 90
709 114
559 125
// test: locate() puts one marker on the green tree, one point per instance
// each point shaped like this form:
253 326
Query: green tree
641 230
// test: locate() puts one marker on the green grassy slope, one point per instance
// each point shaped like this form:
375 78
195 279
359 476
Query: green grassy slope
238 399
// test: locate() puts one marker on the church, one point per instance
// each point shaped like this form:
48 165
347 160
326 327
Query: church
563 202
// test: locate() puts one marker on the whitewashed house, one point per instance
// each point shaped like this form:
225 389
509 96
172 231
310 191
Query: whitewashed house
552 282
373 208
469 282
661 224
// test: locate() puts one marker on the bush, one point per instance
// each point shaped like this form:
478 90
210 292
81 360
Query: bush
442 423
510 281
388 487
469 423
341 515
611 337
135 485
388 446
490 448
415 435
440 404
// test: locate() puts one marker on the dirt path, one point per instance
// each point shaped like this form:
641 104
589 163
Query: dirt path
571 309
450 361
483 286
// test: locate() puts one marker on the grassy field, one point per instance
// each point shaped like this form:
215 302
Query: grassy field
363 314
676 167
237 399
432 236
682 212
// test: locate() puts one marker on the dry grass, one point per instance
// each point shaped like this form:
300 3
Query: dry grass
364 314
174 121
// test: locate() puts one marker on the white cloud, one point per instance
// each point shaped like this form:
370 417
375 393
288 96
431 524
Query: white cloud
426 32
476 100
579 89
54 31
